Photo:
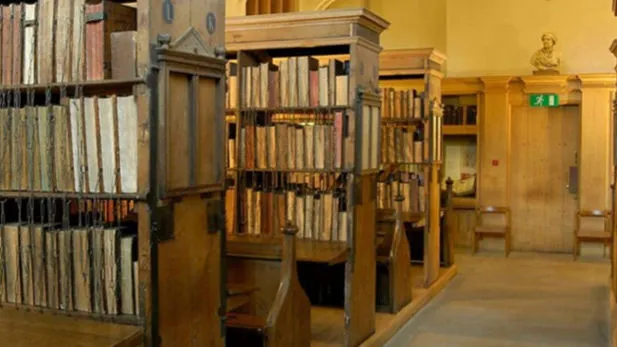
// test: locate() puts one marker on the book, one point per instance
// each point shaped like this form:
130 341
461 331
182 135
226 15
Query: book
92 142
63 164
66 271
63 35
29 44
127 143
12 259
46 19
111 281
52 269
82 267
78 148
26 263
127 288
109 148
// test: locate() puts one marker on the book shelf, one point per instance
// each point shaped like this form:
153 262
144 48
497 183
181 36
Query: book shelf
406 75
303 132
110 209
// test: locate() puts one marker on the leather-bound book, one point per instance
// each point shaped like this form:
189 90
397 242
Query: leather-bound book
17 42
101 20
7 44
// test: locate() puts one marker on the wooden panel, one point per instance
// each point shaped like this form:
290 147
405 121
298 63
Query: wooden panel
210 152
594 178
189 277
464 222
178 127
262 274
544 145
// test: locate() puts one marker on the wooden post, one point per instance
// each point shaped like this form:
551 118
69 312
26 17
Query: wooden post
448 237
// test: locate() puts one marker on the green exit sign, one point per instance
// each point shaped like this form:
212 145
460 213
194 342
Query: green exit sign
543 100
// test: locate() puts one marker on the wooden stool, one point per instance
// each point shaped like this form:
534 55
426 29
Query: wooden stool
586 235
493 231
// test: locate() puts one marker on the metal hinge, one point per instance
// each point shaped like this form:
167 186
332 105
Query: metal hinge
216 215
163 222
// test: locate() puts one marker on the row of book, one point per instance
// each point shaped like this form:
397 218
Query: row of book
460 114
89 145
401 145
62 40
400 104
286 146
410 189
81 269
319 215
294 82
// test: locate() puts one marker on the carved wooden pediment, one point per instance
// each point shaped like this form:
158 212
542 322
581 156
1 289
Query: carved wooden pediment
191 42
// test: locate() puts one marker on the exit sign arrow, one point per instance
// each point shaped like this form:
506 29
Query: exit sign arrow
544 100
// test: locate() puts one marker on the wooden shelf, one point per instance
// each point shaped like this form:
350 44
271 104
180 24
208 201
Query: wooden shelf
85 88
460 130
464 202
71 195
299 171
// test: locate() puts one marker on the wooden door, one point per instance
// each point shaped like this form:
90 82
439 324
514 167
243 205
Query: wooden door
545 144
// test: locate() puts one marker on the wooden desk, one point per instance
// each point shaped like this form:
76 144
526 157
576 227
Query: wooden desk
19 328
268 247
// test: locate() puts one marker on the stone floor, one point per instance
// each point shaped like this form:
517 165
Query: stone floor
527 300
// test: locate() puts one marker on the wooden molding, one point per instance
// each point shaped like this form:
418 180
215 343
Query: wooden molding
493 84
304 29
464 85
597 80
545 84
411 62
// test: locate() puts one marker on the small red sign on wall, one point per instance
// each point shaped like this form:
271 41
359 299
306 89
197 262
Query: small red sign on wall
495 162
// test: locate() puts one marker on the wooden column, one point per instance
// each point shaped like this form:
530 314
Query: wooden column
596 143
494 133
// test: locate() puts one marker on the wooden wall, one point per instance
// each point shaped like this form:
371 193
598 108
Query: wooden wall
526 154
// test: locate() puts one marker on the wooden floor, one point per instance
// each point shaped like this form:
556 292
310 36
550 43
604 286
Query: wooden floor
527 300
327 323
19 328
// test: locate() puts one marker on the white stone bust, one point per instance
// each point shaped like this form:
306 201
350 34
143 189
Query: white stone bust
546 59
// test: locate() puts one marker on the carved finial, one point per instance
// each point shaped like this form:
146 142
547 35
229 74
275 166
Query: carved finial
290 229
163 40
219 52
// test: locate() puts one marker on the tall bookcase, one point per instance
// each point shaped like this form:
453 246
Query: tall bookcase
304 143
111 175
412 80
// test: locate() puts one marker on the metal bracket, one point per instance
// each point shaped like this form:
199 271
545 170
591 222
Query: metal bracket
216 215
163 222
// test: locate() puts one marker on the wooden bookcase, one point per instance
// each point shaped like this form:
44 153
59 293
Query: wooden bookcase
341 164
111 174
419 70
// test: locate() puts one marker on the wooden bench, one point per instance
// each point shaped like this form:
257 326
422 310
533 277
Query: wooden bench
278 312
586 234
393 263
484 230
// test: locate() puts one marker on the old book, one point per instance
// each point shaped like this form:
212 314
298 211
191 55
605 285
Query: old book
334 215
251 147
17 43
127 300
326 233
38 252
257 196
267 82
290 205
45 150
279 207
62 150
282 148
329 146
292 74
136 290
78 148
232 85
338 140
407 146
284 82
33 148
91 136
255 87
45 41
241 148
18 149
323 86
307 66
318 217
127 143
110 274
7 44
309 206
342 226
107 118
52 269
12 263
342 90
98 270
299 147
66 274
299 218
245 85
63 36
82 267
78 42
418 151
230 209
271 146
417 106
6 138
250 210
335 68
267 211
320 147
291 149
101 20
29 44
309 146
123 55
261 147
231 153
26 262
